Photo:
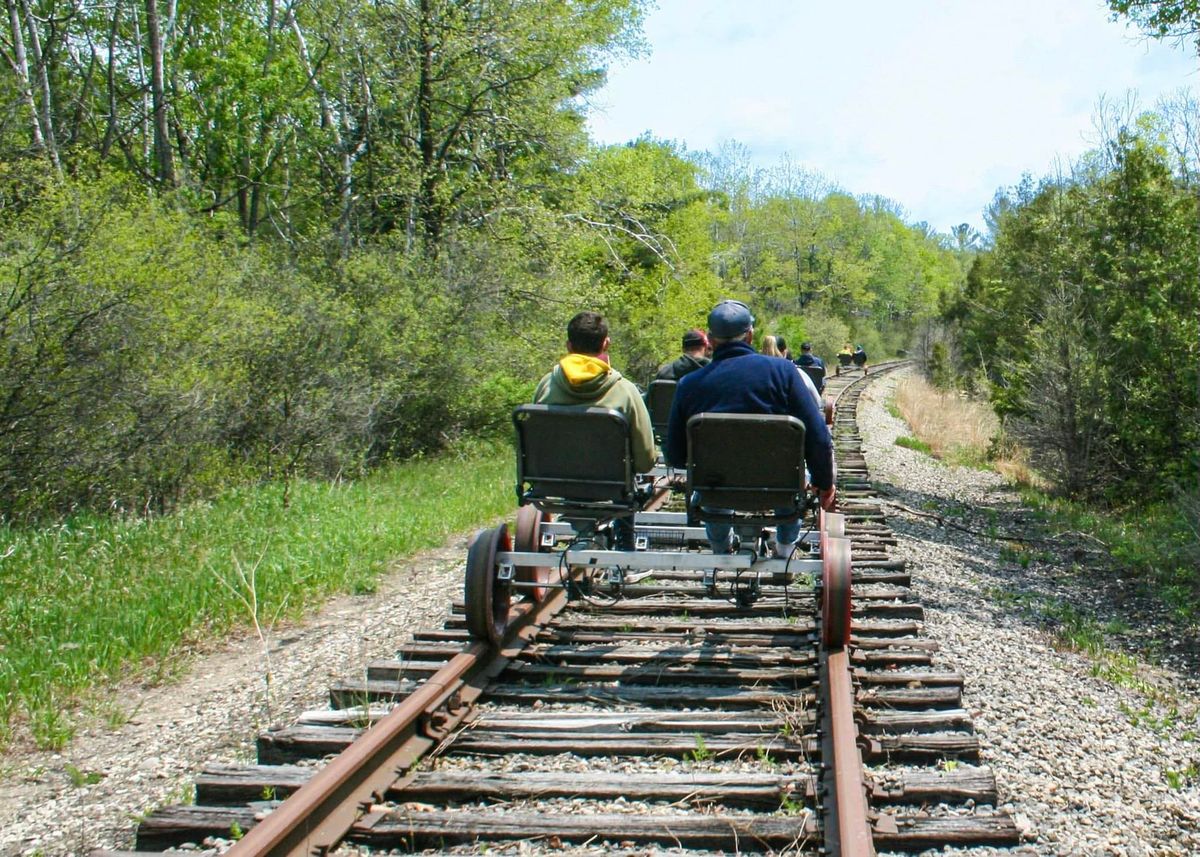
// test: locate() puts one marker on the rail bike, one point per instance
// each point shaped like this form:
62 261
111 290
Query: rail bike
592 527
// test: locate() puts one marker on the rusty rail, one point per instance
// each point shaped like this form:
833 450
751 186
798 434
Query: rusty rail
848 829
318 815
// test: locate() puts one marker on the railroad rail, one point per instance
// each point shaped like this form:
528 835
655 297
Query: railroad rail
811 717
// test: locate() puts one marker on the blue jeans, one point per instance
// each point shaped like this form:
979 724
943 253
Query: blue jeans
718 532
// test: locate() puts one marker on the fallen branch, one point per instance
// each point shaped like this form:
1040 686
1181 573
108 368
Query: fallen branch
1005 537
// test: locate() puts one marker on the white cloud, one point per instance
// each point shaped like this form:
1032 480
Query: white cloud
934 104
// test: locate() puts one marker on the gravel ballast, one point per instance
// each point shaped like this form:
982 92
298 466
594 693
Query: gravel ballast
1083 761
1091 760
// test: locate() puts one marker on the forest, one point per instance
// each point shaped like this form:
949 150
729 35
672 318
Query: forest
248 241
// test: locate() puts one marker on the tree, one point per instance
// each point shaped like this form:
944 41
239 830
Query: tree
1163 19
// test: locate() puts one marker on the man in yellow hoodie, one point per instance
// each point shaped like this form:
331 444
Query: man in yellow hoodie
585 378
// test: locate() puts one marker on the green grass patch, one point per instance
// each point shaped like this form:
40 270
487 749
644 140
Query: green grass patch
912 443
1155 546
94 600
1080 632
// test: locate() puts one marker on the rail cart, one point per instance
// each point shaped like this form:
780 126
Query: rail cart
577 490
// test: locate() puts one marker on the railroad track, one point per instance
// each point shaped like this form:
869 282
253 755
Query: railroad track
656 719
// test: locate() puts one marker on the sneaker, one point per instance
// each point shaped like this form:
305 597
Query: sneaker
784 550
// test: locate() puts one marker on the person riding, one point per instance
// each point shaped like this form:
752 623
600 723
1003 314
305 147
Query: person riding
860 358
695 356
741 381
770 347
584 378
845 356
807 358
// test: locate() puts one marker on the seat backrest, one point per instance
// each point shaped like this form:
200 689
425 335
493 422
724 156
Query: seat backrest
746 462
569 455
658 401
816 373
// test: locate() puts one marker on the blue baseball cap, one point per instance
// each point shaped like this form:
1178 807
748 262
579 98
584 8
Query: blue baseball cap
730 319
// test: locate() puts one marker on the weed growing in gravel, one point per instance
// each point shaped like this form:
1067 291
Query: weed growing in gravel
791 806
701 753
80 778
92 599
1178 780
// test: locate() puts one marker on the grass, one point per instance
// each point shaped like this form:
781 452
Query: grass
957 430
1155 546
912 443
96 600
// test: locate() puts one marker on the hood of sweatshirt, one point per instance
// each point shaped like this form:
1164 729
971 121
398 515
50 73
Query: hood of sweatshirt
579 376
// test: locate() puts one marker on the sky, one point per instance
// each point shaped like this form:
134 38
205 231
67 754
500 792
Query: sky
934 104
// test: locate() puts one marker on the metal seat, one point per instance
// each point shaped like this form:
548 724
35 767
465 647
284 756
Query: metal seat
574 461
658 401
746 468
816 374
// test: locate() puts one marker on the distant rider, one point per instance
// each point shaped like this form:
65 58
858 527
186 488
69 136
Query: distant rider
808 359
860 359
695 356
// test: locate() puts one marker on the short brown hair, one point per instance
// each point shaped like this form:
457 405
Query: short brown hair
587 331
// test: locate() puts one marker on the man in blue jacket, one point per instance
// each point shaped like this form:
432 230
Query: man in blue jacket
817 370
739 380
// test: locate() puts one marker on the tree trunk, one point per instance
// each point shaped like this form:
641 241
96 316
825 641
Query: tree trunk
22 69
162 139
427 200
110 126
46 113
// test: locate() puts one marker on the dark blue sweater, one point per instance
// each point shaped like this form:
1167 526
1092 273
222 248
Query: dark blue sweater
739 380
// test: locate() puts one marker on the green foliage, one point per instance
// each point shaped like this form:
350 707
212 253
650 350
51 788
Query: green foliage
938 368
1086 318
1164 19
1156 545
80 778
821 265
913 443
701 753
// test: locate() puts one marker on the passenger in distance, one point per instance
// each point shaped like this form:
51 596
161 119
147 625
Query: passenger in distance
860 359
845 357
807 358
770 347
695 356
585 378
740 381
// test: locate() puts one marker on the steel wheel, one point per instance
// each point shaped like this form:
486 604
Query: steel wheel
527 537
835 593
487 598
833 524
829 409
